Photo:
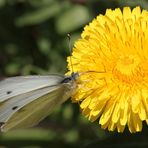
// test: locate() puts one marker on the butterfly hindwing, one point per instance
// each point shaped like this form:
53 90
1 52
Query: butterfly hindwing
31 114
10 106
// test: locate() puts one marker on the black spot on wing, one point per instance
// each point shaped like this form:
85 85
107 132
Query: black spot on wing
14 108
9 92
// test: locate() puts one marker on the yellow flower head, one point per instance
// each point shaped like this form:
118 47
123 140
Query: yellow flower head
112 60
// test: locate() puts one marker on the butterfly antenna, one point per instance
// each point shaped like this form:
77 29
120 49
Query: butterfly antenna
70 49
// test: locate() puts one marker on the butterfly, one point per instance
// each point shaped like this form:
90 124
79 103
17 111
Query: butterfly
26 100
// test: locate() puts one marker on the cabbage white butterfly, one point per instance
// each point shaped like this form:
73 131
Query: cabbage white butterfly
26 100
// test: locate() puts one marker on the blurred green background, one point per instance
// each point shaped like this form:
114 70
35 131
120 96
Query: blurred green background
33 40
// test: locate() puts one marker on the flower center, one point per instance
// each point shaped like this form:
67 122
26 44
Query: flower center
127 69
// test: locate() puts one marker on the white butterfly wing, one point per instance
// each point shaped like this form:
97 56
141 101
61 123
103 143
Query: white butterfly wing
32 113
14 86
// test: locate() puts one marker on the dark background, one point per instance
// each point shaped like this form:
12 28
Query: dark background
33 40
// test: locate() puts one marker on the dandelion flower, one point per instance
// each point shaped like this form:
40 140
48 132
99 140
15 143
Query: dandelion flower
112 60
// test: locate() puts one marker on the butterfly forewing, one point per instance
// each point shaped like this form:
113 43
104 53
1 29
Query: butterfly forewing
14 86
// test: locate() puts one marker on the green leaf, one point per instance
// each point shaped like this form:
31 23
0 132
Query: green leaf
33 134
38 3
73 18
40 15
12 68
2 3
44 45
71 136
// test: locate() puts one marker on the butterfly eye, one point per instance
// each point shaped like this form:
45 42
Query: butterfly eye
66 80
9 92
15 107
